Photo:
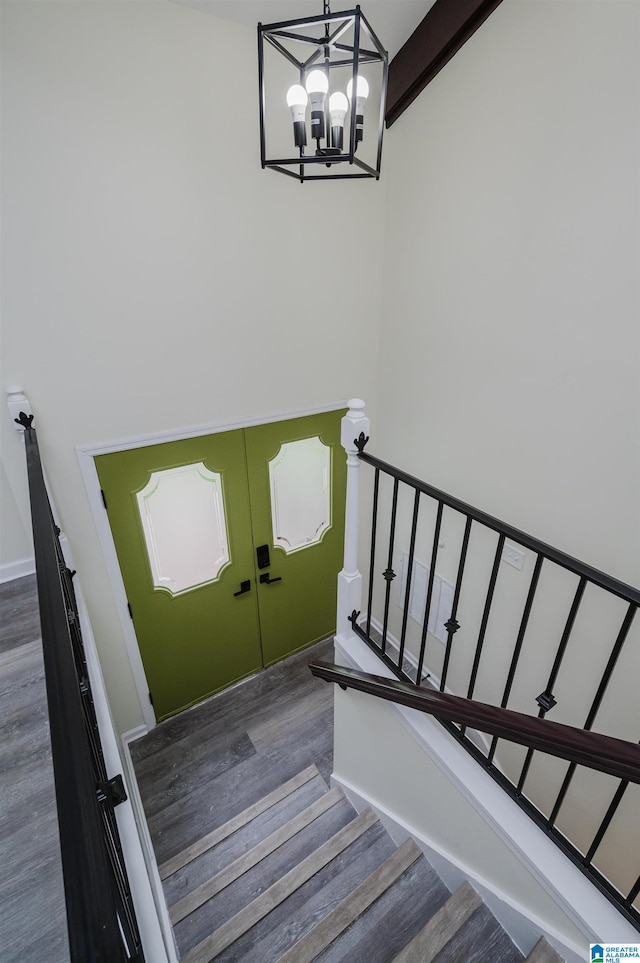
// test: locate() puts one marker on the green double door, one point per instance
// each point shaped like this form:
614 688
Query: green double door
229 547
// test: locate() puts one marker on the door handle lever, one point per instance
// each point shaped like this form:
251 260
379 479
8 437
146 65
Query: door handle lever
244 587
265 580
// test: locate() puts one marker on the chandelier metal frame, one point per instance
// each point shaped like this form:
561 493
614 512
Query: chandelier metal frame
317 50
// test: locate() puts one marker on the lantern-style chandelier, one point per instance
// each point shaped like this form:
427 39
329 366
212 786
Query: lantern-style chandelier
334 67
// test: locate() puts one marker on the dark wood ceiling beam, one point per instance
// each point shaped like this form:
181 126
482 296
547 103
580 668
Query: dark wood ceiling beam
446 27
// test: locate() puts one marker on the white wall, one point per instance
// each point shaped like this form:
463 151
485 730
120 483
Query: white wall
154 277
510 341
16 543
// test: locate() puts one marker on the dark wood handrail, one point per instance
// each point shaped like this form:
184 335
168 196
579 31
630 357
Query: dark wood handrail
616 757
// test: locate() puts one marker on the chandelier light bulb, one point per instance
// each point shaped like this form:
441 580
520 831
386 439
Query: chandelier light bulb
297 96
362 88
317 84
362 92
297 101
338 107
338 103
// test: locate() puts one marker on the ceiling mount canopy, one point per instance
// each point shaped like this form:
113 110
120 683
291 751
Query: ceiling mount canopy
333 69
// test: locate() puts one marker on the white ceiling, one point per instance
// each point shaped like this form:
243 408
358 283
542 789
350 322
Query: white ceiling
392 20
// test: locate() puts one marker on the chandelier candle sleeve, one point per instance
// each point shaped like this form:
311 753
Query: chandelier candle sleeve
317 85
338 107
362 92
297 100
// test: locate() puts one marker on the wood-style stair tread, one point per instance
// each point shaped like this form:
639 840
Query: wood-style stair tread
255 855
241 892
433 937
543 953
235 927
389 924
289 922
478 939
328 929
212 839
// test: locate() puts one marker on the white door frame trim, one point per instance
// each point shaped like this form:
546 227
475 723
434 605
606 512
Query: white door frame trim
86 454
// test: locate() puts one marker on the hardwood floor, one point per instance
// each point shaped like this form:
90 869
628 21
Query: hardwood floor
202 766
33 923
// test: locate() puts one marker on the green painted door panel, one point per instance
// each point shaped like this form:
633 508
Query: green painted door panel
300 608
202 639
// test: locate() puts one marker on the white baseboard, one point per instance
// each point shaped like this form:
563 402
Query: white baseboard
151 864
18 569
132 734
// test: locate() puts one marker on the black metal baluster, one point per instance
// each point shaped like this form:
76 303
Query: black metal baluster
485 615
82 670
633 892
372 561
122 891
518 647
407 595
593 711
606 822
452 625
427 607
389 574
546 700
485 619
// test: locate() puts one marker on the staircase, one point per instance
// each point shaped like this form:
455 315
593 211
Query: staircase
300 876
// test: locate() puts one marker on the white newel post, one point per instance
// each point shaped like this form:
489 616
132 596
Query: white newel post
17 401
354 424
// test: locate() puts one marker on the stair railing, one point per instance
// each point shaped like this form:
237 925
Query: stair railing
615 757
101 919
399 620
